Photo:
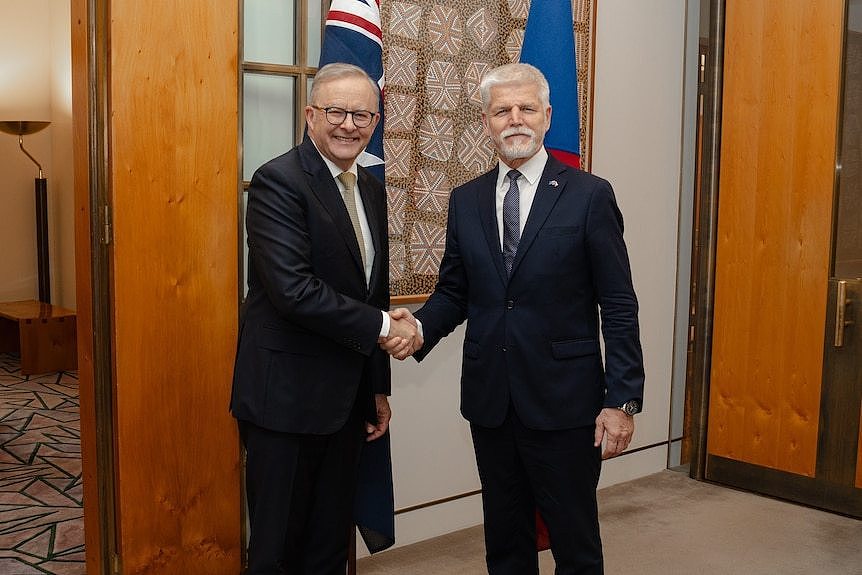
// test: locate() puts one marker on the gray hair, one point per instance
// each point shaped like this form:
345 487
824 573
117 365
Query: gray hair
338 70
516 73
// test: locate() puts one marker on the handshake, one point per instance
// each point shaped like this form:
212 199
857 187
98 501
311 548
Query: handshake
404 336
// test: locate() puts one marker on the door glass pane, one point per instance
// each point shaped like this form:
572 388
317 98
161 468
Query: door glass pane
268 119
848 236
314 16
268 31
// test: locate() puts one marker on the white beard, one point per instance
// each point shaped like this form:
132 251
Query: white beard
515 151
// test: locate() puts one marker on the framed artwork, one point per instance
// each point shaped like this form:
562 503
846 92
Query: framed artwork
434 54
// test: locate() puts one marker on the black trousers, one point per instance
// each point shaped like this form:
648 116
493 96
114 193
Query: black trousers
557 472
300 491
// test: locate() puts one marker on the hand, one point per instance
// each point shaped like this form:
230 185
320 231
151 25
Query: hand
404 337
384 414
619 428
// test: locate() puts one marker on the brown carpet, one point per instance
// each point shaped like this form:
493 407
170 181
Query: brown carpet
668 523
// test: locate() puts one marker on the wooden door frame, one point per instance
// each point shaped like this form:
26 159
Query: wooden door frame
705 239
92 264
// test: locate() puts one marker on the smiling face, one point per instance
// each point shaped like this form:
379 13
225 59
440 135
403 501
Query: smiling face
342 143
516 121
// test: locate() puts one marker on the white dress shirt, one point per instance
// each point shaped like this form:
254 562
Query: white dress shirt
363 224
528 183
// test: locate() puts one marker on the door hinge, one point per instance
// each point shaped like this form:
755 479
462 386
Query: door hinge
106 225
115 564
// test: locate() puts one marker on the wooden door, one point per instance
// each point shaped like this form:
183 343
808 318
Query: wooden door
779 135
156 154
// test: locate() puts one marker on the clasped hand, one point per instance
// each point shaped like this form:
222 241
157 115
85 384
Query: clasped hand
404 337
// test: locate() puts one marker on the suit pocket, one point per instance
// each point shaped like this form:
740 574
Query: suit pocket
574 348
279 340
558 231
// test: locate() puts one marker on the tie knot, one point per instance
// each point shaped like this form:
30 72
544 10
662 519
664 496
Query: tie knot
513 175
348 179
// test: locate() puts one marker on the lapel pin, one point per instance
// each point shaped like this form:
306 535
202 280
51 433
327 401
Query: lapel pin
553 183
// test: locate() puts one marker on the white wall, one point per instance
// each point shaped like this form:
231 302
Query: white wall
685 227
35 84
637 145
61 179
432 451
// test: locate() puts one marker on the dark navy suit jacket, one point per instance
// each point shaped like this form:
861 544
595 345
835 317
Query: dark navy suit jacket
309 326
533 338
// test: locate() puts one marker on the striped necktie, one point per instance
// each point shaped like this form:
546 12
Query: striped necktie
349 181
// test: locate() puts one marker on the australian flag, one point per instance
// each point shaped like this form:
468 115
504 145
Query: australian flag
352 35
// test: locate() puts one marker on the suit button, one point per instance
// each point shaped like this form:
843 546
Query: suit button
510 304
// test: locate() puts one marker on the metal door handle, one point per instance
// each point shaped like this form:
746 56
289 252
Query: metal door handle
841 322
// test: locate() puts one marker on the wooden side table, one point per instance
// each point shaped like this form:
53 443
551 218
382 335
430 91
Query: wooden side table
44 334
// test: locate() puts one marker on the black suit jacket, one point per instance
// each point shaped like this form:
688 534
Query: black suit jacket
533 338
309 326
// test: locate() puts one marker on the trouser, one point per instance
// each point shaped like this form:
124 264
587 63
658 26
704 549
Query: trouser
557 472
300 490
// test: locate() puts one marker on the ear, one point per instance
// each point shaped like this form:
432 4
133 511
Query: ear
548 119
485 127
309 117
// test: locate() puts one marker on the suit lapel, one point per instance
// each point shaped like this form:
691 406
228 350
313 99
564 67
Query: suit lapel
551 185
323 186
487 191
367 185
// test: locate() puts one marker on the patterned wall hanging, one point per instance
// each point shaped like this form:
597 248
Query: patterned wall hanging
434 54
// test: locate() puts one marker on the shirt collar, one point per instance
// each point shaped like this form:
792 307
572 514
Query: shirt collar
531 170
333 169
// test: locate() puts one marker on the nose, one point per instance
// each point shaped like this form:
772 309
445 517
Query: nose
515 117
347 123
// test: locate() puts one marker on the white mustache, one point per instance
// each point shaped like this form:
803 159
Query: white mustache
517 132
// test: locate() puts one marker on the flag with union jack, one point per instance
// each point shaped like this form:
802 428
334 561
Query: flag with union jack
353 35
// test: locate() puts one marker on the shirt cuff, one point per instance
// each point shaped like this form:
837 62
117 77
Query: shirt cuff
384 329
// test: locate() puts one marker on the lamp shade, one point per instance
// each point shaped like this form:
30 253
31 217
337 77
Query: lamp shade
22 127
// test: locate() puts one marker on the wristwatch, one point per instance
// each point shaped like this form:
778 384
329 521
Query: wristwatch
631 407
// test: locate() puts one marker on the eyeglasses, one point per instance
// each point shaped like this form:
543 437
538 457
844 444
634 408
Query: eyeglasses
336 116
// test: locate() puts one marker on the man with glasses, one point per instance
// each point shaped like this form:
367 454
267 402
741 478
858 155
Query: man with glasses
310 383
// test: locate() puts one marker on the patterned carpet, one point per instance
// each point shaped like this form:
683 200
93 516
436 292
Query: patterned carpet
41 518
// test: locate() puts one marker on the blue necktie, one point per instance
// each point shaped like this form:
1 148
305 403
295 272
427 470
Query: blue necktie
511 217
